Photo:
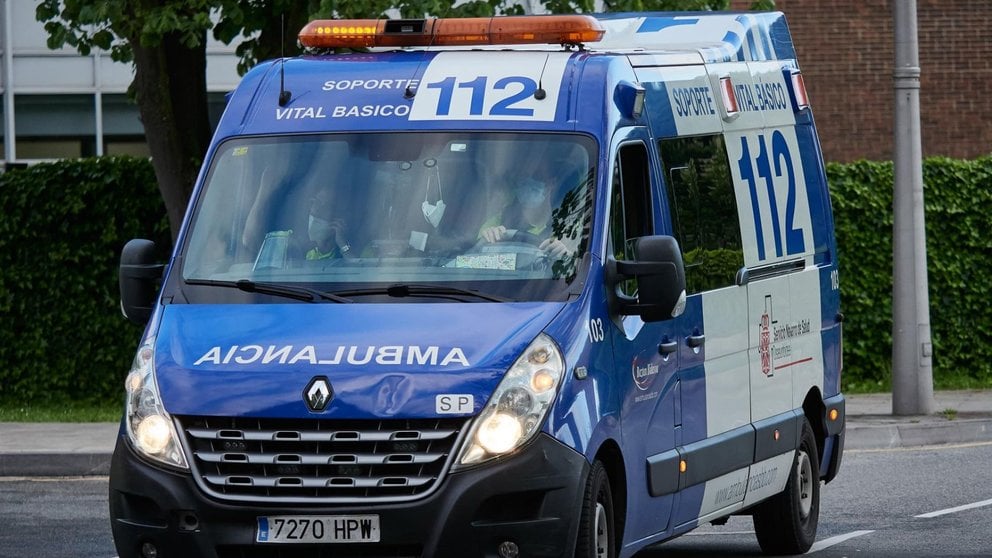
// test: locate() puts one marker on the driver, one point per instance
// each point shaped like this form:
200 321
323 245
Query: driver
529 211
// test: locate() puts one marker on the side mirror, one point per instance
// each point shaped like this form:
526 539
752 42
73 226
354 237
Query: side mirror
137 277
660 275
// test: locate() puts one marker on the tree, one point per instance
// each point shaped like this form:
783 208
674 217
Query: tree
166 42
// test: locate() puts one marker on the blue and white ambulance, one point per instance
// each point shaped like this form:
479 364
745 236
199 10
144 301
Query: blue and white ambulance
513 286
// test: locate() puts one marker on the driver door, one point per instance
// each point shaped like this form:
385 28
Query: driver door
645 354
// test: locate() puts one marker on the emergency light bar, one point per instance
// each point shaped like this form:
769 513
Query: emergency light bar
502 30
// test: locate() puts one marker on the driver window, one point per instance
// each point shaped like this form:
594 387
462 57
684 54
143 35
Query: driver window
630 214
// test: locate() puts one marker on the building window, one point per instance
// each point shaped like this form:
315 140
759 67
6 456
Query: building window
54 126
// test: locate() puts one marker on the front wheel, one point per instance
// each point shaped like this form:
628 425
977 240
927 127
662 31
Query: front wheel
786 523
597 537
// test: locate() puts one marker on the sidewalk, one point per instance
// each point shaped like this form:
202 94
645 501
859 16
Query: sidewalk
61 449
959 417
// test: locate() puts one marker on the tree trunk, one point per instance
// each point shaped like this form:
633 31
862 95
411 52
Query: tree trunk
170 87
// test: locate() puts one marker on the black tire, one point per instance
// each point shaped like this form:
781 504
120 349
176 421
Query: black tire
786 523
597 534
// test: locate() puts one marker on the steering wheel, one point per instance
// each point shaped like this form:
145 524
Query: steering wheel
526 238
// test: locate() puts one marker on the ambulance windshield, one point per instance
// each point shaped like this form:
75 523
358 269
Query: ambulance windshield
504 214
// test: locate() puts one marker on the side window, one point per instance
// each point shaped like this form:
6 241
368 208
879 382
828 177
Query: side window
704 210
630 216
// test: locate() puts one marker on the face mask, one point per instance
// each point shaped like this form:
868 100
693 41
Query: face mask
433 212
530 192
319 229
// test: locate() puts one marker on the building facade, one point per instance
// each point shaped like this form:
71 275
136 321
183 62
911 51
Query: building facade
60 104
57 103
847 53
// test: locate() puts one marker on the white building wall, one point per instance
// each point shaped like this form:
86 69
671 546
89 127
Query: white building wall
83 95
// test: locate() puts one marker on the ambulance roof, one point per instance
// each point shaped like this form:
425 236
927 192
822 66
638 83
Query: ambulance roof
679 37
716 37
392 88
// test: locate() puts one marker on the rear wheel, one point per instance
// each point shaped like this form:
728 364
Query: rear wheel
786 524
597 538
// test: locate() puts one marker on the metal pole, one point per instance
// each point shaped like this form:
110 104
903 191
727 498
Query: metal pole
912 375
98 101
10 130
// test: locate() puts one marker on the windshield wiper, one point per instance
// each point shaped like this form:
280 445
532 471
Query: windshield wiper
277 289
402 290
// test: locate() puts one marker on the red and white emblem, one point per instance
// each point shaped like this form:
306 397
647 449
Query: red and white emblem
765 339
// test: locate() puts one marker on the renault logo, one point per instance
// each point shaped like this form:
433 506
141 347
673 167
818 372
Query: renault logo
318 394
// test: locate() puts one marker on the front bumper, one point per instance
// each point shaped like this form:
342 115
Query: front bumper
532 499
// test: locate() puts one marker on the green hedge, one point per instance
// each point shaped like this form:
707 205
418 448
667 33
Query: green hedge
958 202
62 335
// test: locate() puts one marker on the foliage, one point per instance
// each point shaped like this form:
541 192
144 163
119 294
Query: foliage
62 336
957 196
263 29
109 24
63 411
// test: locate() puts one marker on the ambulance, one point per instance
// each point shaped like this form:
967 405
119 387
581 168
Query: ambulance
523 286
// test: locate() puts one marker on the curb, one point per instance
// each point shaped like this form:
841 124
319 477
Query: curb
54 464
925 432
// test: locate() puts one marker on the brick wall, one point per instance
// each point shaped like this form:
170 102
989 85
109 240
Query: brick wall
845 49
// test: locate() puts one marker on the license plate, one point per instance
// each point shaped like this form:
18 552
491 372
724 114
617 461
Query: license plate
317 529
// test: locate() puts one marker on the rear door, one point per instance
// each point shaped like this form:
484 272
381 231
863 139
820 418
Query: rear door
716 439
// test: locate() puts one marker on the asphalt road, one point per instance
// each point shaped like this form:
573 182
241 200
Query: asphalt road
873 509
898 503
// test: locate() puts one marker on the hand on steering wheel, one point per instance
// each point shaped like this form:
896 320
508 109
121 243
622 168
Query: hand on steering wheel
554 248
495 234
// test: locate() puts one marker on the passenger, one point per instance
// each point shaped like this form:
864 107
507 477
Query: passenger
325 239
528 211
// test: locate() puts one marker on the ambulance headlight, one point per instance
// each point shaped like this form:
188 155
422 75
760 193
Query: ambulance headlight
149 428
517 408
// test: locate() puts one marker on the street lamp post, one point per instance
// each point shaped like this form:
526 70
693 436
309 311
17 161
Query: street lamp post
912 350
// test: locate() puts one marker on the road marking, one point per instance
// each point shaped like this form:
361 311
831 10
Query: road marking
827 543
937 513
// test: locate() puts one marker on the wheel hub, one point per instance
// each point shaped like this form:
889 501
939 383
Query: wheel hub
602 532
804 473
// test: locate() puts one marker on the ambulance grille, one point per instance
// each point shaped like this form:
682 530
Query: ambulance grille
275 460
